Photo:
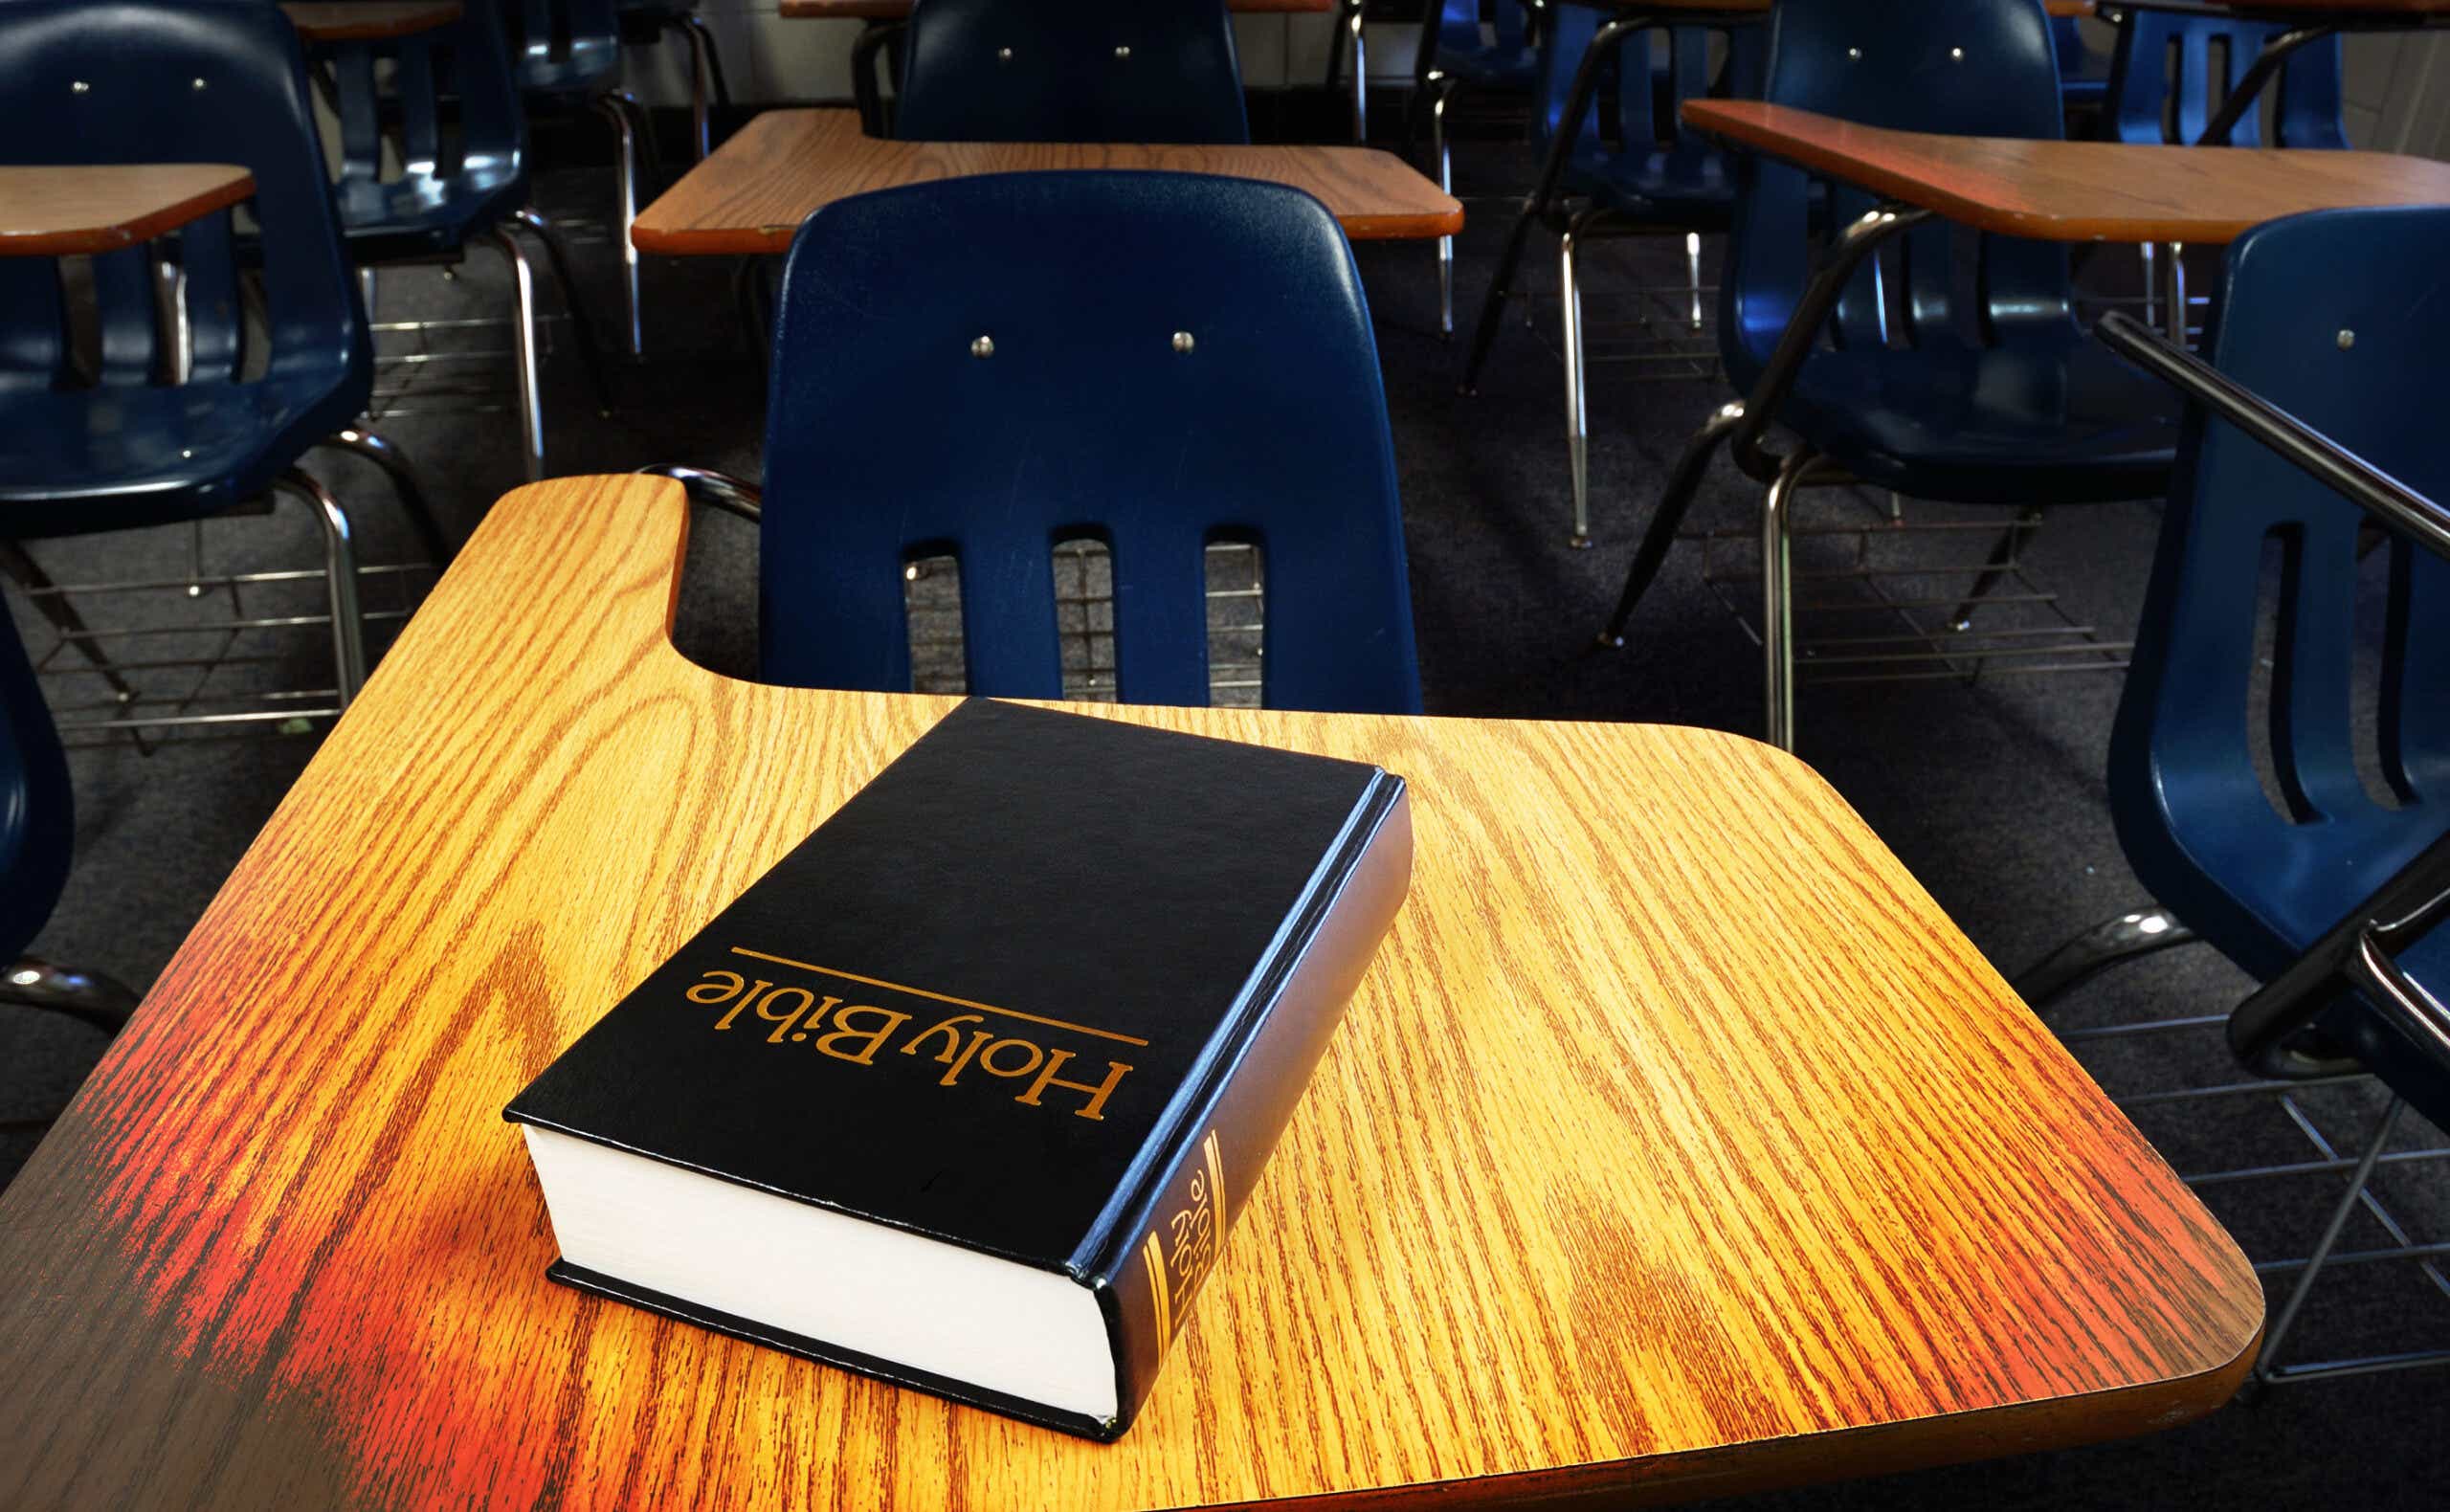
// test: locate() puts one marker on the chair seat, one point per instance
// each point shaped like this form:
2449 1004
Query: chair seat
418 217
1492 67
2046 419
1681 185
87 459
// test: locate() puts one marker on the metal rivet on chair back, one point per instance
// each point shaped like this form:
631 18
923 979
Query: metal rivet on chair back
1909 65
1069 77
889 437
2162 78
36 817
2250 545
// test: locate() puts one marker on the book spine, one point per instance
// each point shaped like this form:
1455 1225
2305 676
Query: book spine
1164 1253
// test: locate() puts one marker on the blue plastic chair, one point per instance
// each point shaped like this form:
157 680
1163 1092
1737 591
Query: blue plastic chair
178 425
566 57
984 366
2161 78
2263 883
2084 75
1968 383
37 824
449 100
2258 563
1082 71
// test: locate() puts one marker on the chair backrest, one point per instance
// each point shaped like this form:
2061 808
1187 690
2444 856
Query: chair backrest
1455 27
455 103
36 820
1655 71
983 367
1908 65
564 46
1081 71
101 82
2261 808
2170 73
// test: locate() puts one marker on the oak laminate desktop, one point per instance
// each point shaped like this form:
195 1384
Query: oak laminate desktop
2077 191
80 210
752 194
370 20
1675 1143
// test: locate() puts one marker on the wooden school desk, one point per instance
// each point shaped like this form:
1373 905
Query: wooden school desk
70 211
1675 1143
370 22
750 196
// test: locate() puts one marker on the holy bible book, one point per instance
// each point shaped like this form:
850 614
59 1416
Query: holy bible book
965 1092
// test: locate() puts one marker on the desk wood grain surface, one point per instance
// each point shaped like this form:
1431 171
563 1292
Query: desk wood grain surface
750 196
80 210
369 20
900 9
1675 1142
2078 190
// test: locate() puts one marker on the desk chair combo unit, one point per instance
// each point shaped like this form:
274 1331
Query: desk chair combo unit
225 353
646 23
2311 443
2171 75
1082 71
1455 53
1115 340
1883 367
1645 176
566 57
449 98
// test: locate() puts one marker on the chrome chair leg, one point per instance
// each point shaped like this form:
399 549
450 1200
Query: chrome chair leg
703 37
625 165
1668 517
2173 292
1778 597
1693 273
1354 22
582 331
340 577
54 606
87 996
2151 259
701 70
405 482
2136 933
1444 152
366 288
1577 434
531 394
2268 1369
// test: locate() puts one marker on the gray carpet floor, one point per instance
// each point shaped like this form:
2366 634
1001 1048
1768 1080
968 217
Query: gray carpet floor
1989 789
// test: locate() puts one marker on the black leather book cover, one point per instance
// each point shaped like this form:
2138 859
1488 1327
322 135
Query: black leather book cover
1047 988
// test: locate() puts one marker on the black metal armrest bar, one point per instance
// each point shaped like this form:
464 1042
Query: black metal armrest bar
2359 952
732 495
2394 503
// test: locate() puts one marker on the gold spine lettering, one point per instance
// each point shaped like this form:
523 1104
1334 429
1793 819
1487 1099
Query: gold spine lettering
1098 1093
719 986
952 1035
745 998
845 1031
